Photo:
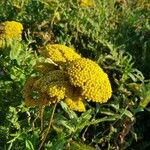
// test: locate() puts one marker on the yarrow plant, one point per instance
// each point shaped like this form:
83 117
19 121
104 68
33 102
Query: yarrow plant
72 79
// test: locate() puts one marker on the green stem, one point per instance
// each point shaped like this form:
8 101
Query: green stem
48 128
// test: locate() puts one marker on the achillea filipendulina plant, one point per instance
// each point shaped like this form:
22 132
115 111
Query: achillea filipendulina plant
78 80
81 79
11 30
59 53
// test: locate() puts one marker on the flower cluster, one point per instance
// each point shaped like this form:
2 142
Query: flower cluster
11 30
59 53
91 79
87 3
80 79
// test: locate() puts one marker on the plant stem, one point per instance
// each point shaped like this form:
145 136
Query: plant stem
49 126
41 117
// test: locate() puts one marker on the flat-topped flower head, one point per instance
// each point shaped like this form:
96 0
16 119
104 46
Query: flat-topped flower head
91 79
59 53
11 30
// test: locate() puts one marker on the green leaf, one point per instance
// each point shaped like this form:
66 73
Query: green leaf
80 146
106 112
84 120
144 102
28 145
15 50
58 144
127 113
110 118
68 125
72 114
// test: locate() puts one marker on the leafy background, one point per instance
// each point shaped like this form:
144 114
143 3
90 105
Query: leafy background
113 33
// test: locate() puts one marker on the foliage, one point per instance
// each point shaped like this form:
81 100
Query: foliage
114 34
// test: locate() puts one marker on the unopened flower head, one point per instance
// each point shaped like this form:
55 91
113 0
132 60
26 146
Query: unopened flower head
59 53
11 30
91 79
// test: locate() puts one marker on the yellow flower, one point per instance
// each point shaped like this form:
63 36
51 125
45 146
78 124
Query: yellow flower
59 53
59 89
87 3
11 30
55 84
75 105
91 79
77 79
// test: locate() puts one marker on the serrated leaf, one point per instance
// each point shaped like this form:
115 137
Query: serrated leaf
84 120
114 105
